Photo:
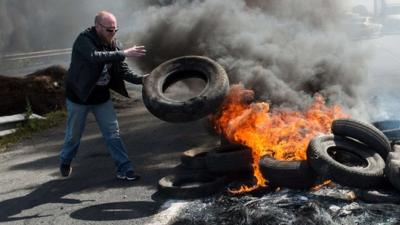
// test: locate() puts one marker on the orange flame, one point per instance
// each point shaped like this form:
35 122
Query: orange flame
319 186
282 133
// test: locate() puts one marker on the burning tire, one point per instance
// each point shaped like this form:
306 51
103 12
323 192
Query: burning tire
195 158
345 161
174 70
229 160
191 185
295 174
364 132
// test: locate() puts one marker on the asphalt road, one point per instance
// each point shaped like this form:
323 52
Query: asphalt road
32 191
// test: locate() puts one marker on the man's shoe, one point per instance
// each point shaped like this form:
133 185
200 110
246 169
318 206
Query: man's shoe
65 170
129 175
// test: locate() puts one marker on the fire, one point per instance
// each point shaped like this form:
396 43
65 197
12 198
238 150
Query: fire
319 186
282 133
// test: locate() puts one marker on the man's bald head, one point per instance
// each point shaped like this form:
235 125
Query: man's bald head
106 26
104 16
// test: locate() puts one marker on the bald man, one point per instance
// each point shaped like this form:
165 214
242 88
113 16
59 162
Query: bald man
97 65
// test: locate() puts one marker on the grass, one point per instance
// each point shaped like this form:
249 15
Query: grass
31 126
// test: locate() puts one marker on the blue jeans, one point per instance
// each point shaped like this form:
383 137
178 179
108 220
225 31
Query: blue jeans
107 121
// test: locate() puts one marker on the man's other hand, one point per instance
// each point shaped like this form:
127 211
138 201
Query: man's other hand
135 51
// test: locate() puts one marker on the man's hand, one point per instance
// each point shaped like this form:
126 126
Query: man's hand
135 51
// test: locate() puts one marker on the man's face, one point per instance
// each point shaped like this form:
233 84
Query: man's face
106 29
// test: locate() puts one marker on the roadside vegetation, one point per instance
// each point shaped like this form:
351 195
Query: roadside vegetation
31 126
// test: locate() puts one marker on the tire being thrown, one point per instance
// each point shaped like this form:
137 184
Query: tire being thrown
186 186
296 174
168 73
363 132
346 162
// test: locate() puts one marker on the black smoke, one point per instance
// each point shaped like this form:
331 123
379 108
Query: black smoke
286 51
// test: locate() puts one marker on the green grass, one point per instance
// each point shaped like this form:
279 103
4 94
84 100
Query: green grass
32 126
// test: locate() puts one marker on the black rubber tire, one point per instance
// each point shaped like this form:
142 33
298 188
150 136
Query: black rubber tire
184 186
363 132
229 147
387 124
392 135
390 128
195 158
230 160
296 174
369 175
392 170
206 102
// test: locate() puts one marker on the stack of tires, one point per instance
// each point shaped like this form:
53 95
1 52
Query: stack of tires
295 174
354 155
208 169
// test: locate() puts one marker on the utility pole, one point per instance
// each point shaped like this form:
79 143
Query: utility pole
379 8
375 12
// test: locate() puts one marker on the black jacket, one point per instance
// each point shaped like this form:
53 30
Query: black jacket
89 55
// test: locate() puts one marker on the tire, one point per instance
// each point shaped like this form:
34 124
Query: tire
392 135
363 132
206 102
392 170
229 147
195 158
295 174
230 160
346 162
186 186
390 128
387 124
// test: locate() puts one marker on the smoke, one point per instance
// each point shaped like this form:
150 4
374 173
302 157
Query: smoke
46 24
284 50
